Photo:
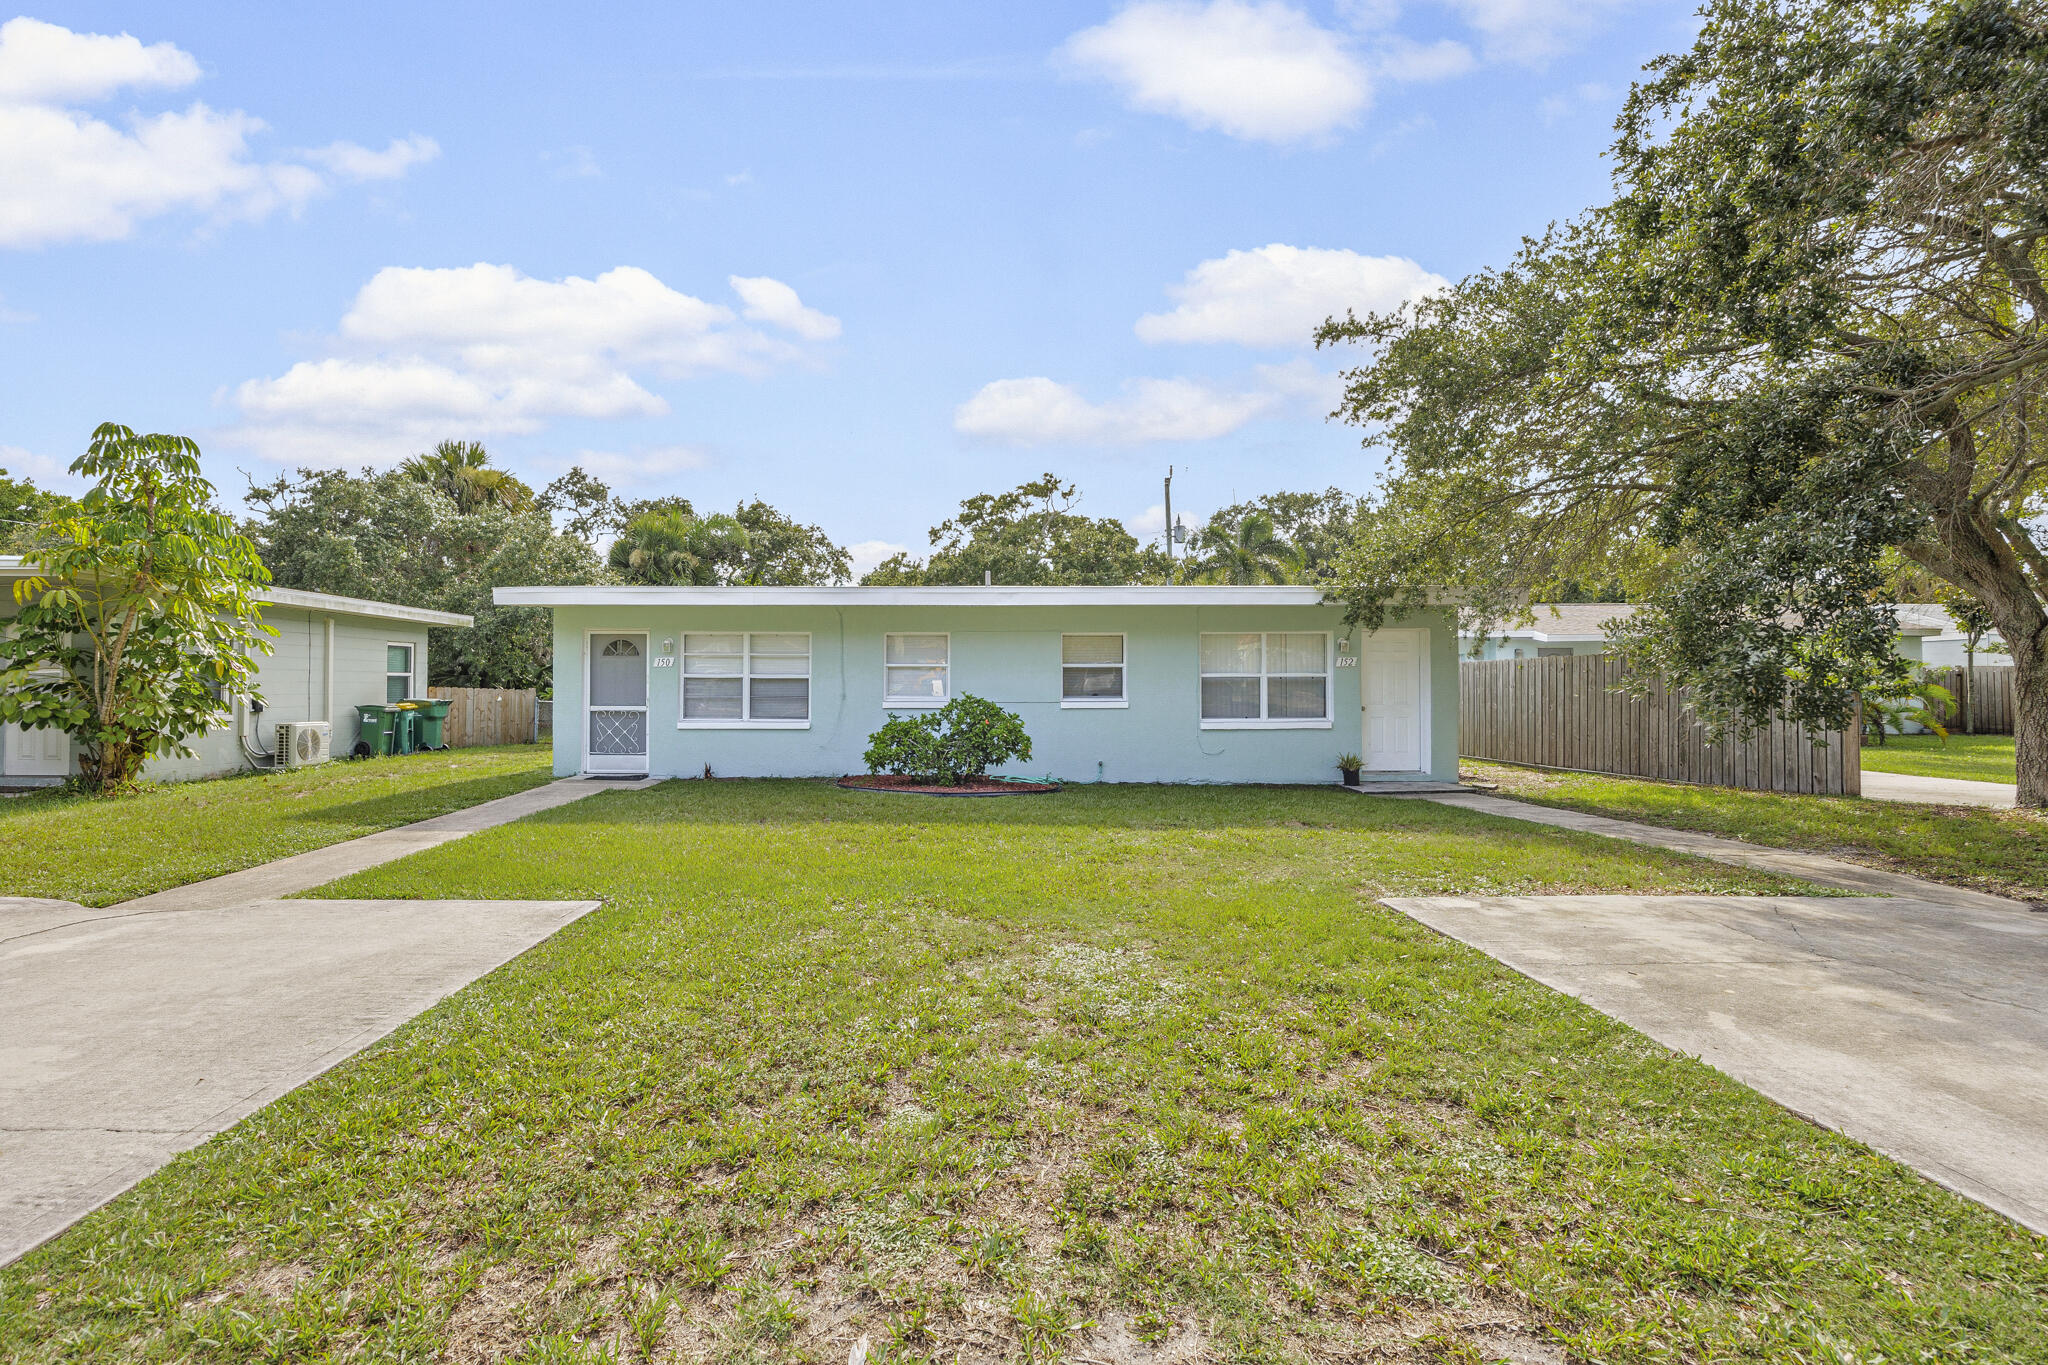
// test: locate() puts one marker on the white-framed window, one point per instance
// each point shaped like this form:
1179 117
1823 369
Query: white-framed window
397 673
917 669
1092 671
746 678
1276 680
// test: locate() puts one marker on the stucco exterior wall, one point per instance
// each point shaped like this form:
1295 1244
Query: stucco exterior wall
1010 655
293 683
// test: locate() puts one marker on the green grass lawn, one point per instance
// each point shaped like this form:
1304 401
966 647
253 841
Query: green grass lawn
98 851
1122 1074
2001 851
1975 758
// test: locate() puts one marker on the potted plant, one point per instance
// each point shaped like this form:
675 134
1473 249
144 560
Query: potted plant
1348 765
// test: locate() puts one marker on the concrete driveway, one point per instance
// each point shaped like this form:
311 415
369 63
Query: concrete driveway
129 1035
1919 1028
1945 791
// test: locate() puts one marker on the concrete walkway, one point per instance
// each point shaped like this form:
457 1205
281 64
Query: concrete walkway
1920 1028
132 1032
1813 867
1945 791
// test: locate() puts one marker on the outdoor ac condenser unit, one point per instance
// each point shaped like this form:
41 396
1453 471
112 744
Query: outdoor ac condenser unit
302 742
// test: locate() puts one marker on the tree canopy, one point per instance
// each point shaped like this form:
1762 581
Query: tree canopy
1031 534
1319 525
27 511
1250 549
1808 329
390 537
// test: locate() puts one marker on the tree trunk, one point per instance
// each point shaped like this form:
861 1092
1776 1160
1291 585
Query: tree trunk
2030 718
1970 691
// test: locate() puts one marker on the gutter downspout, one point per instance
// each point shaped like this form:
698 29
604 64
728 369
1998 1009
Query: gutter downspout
328 713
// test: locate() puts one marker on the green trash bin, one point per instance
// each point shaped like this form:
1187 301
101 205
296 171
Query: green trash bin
406 721
374 730
432 715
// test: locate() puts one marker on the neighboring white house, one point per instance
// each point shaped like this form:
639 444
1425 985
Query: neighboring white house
1562 629
1114 684
1944 647
331 655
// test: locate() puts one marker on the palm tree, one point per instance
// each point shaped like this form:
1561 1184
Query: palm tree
674 549
461 469
1253 551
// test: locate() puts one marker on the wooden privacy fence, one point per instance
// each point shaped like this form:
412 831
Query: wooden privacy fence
1565 713
1991 712
487 715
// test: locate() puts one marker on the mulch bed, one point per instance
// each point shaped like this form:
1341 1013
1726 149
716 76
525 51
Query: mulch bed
916 786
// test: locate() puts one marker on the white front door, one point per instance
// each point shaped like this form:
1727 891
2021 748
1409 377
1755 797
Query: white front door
615 704
35 753
1393 701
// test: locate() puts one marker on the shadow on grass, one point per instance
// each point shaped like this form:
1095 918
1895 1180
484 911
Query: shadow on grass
410 804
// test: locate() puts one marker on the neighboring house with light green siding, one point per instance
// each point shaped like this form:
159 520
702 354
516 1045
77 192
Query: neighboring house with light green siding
1116 684
330 655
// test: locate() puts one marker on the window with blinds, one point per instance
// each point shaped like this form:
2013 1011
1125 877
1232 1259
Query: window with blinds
1092 670
917 670
733 678
1278 678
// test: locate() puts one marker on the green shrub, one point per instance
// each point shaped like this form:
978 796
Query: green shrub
961 740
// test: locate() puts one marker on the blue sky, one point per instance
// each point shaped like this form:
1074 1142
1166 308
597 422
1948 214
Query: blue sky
861 261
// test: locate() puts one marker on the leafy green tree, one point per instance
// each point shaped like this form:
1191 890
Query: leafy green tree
1028 535
462 471
142 618
783 552
390 538
1320 525
672 548
583 505
1249 550
25 510
1810 327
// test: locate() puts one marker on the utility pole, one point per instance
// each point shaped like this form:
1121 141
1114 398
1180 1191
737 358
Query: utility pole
1170 574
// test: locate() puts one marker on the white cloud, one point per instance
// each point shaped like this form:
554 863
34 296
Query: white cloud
351 162
639 467
1531 32
45 63
1277 295
13 315
40 470
66 175
1409 62
1260 71
423 354
866 554
1040 411
775 303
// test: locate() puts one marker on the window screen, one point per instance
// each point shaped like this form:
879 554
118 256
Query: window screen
1091 668
397 673
743 678
1275 676
917 669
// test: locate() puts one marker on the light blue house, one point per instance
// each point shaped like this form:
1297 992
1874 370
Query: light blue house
1115 684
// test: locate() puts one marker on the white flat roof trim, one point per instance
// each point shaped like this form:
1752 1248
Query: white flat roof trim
595 596
357 606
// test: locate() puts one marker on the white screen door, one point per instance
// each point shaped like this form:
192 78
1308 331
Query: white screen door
615 705
34 753
1393 701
